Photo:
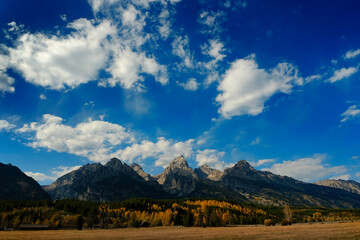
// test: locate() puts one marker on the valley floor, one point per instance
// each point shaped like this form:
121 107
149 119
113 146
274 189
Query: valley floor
304 231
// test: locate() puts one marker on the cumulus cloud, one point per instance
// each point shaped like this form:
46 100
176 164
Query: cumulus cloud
164 151
191 84
127 66
53 62
55 173
112 43
308 169
352 54
99 141
342 73
351 113
245 87
210 157
5 125
94 140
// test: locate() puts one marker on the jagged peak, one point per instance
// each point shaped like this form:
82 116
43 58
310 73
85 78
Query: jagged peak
243 163
114 163
179 162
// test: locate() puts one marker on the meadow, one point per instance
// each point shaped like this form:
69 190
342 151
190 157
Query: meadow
317 231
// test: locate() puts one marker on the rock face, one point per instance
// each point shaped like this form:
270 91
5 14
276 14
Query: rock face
139 170
178 178
15 185
347 185
206 172
114 181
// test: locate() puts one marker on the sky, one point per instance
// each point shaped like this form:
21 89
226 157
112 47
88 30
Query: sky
275 83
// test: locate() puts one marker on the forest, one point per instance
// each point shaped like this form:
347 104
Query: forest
77 214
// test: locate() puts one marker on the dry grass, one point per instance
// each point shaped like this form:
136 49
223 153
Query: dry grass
307 231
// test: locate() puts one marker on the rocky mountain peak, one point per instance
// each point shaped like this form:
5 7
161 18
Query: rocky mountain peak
179 162
139 170
114 163
206 172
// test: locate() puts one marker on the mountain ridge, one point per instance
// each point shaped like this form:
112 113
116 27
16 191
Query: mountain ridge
116 181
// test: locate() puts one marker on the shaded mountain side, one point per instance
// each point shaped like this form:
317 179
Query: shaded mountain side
347 185
15 185
115 181
269 188
139 170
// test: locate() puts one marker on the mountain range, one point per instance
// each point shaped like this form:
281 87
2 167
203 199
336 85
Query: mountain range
117 181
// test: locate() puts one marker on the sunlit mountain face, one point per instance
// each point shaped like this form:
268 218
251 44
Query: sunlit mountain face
273 82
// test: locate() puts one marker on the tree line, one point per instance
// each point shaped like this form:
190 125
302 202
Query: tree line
77 214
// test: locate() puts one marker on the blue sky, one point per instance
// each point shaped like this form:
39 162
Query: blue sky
272 82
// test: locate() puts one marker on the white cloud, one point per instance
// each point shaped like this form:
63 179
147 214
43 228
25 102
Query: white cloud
14 27
94 140
164 151
55 173
63 17
342 73
342 177
262 162
6 82
5 125
112 42
61 171
191 84
99 141
256 141
245 87
42 97
215 50
210 157
352 54
312 78
165 24
180 48
127 66
40 176
211 21
351 113
307 169
53 62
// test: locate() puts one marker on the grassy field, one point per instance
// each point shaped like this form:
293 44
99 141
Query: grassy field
306 231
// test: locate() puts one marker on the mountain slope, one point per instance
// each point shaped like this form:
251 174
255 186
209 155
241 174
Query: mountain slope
114 181
15 185
268 188
206 172
347 185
